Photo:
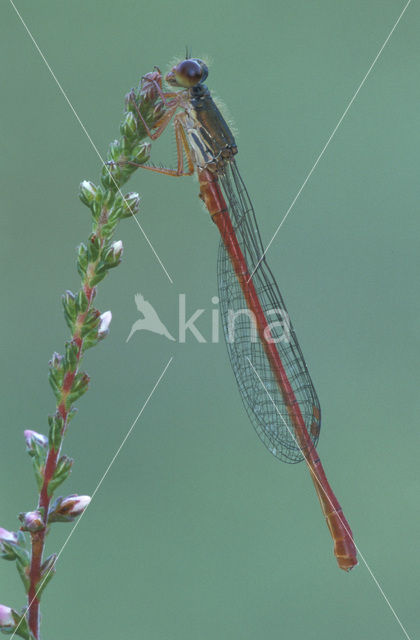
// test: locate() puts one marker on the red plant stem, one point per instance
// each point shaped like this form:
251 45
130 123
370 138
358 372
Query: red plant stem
151 91
38 538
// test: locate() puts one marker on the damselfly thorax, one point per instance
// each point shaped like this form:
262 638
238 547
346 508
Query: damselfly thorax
210 140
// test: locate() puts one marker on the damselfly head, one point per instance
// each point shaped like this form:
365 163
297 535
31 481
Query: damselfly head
187 73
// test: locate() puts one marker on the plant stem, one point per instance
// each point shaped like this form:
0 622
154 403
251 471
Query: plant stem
108 206
38 538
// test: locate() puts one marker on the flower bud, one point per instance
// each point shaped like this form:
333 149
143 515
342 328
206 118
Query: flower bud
67 509
117 248
141 153
56 361
7 536
114 151
129 125
8 540
113 255
74 505
6 618
13 622
33 438
131 205
105 321
31 521
88 192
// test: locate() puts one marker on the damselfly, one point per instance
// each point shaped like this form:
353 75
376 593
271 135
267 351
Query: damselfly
268 363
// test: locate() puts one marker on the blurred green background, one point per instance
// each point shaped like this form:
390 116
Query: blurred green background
197 532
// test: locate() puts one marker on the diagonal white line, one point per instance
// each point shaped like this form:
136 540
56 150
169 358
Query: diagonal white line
88 136
330 138
329 500
76 524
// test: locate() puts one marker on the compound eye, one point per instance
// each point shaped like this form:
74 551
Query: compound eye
189 73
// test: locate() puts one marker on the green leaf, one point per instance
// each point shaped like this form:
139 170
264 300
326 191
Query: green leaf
82 259
128 126
90 322
93 248
39 474
23 573
71 358
56 426
56 374
109 198
70 414
21 628
55 386
90 339
14 551
48 564
79 387
61 473
7 550
96 209
115 212
109 227
23 540
47 573
82 302
70 311
96 279
45 581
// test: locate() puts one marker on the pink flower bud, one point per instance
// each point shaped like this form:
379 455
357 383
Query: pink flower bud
6 617
34 437
31 521
8 541
73 505
7 536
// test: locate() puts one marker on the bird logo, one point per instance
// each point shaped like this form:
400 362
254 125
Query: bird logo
150 320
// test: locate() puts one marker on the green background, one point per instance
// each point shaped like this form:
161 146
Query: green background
197 532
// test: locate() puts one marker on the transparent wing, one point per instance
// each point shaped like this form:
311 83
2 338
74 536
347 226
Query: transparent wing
242 341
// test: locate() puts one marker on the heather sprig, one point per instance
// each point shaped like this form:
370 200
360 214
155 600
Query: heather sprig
87 326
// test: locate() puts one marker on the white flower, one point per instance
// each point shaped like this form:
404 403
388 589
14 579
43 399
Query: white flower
113 254
132 199
6 617
34 437
117 247
105 321
88 191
